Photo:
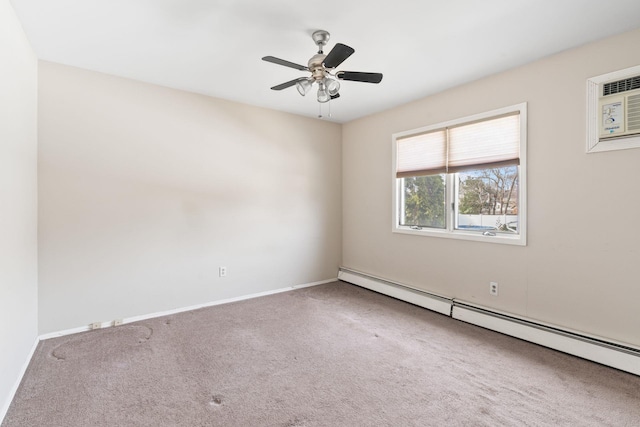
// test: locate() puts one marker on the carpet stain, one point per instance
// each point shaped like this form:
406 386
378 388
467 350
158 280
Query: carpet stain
147 336
216 401
296 422
82 345
56 356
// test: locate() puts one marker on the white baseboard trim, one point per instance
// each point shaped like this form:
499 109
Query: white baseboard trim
68 332
14 389
414 296
597 349
183 309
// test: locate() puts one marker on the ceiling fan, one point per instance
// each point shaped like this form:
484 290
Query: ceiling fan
322 68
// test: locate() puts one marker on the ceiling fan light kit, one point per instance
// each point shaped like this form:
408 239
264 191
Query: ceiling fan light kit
322 68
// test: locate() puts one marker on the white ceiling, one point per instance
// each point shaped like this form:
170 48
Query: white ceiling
214 47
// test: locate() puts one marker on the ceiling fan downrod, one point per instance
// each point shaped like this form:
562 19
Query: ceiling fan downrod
320 38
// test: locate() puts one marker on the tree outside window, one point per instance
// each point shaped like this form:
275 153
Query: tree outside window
424 198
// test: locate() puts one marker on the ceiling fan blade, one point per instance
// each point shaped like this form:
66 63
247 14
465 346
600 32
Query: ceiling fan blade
357 76
337 95
289 64
338 54
288 84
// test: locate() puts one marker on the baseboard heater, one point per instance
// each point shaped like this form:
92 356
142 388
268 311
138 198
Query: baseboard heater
414 296
617 355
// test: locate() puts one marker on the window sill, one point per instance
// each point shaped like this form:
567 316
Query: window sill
504 239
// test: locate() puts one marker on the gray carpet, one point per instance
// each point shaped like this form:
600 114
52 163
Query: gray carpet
329 355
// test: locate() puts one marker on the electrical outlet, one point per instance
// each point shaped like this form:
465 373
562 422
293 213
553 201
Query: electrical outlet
117 322
493 288
95 325
222 271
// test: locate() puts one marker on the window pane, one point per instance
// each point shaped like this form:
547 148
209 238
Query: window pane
422 201
488 200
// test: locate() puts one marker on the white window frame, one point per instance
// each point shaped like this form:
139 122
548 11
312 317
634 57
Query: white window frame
450 232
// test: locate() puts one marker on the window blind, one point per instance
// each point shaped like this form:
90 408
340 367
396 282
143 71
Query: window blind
493 142
423 154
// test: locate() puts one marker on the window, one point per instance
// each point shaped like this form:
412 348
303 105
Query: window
463 179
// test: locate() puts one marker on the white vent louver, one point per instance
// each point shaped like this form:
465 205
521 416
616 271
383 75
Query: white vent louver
633 113
620 108
621 86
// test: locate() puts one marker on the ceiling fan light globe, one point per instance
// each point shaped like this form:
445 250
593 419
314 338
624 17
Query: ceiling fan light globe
304 86
333 86
323 95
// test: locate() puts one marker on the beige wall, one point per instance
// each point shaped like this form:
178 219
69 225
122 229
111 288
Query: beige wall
577 270
145 191
18 201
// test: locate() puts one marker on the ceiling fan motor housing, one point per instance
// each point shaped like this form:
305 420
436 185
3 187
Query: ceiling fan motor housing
316 67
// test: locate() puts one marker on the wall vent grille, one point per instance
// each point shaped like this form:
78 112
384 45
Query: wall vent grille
633 112
623 85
